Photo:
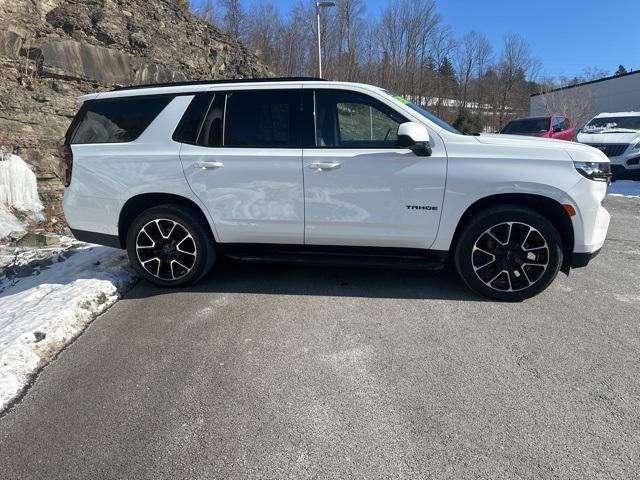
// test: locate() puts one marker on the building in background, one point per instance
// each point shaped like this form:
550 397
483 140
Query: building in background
619 93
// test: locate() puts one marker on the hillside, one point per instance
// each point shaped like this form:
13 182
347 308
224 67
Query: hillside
52 51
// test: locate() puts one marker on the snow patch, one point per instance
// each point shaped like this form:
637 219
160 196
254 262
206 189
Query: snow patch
48 300
624 188
8 222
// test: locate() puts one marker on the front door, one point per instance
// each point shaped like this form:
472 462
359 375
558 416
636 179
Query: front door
244 162
361 189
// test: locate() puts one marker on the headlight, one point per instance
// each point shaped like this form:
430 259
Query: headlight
636 146
594 171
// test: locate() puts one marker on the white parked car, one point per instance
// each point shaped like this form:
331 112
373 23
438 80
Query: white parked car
312 170
618 136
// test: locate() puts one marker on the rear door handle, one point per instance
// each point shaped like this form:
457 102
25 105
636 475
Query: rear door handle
208 165
320 166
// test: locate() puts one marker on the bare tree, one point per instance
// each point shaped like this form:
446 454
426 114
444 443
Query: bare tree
516 63
472 57
349 27
233 17
406 48
576 103
208 11
263 33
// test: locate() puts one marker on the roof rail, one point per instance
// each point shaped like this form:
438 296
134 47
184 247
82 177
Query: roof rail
216 82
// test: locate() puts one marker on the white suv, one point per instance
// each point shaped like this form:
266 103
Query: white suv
307 169
617 135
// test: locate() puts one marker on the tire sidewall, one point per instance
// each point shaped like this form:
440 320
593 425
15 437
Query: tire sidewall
494 217
205 251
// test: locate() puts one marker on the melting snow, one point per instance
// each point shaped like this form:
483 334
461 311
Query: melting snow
47 297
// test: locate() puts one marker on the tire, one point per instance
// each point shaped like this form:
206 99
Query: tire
508 253
170 247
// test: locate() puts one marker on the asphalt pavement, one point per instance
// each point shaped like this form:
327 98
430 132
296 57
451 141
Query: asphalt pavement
329 373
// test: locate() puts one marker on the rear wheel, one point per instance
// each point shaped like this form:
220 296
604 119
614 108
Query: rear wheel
169 246
509 253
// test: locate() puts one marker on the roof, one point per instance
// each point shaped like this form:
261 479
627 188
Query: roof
216 82
190 88
617 114
612 77
535 117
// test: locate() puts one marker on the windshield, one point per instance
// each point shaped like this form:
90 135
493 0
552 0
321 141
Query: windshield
612 123
428 115
527 125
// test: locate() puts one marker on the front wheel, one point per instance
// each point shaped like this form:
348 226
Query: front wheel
169 246
508 253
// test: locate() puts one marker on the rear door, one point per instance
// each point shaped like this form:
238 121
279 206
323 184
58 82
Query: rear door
361 189
242 156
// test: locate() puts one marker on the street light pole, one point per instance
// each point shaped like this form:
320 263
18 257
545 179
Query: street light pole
320 5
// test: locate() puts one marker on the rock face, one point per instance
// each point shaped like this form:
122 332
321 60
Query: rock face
52 51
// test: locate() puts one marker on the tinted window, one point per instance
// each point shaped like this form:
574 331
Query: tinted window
263 119
353 120
119 120
210 133
189 126
527 125
201 123
565 125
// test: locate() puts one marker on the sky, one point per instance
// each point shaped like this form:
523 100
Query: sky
567 36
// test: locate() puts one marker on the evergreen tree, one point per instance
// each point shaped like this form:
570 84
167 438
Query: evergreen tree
621 70
446 69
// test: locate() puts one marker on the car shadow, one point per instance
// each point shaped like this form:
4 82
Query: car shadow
329 281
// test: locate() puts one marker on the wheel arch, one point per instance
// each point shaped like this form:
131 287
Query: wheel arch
549 208
139 203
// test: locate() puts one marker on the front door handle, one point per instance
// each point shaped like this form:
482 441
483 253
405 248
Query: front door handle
320 166
208 165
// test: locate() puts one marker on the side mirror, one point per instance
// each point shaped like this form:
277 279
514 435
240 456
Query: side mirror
415 137
557 129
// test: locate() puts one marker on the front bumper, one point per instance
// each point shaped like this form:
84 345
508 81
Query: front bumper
591 223
626 162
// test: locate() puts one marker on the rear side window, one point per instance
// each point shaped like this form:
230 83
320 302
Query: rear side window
202 122
189 127
263 119
115 121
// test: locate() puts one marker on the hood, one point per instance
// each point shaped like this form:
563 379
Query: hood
612 137
520 140
575 150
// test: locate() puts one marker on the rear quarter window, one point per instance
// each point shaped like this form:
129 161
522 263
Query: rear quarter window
115 120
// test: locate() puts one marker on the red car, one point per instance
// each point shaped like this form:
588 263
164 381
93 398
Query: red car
553 126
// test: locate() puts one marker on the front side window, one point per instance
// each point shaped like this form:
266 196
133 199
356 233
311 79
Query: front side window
265 118
116 120
353 120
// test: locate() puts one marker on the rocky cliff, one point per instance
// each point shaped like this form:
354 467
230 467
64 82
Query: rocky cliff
52 51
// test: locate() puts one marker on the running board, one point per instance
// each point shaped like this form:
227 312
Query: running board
336 255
